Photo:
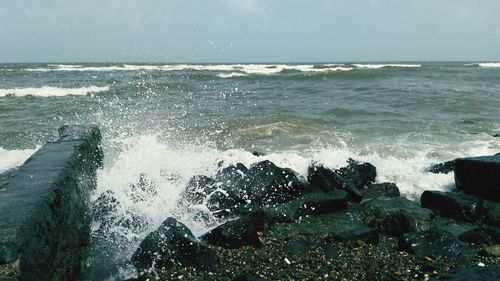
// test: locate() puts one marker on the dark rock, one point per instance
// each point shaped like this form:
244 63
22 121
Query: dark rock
492 213
490 251
479 176
475 273
483 235
172 244
245 230
256 153
8 253
324 179
308 204
496 135
386 189
338 226
454 205
435 243
198 188
358 174
264 184
321 202
443 168
395 216
456 228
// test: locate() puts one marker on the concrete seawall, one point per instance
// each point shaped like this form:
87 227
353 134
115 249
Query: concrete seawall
44 218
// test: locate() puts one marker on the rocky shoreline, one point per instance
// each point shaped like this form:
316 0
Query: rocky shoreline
334 225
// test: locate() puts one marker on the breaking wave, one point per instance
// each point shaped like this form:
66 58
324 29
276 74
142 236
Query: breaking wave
485 64
47 91
376 66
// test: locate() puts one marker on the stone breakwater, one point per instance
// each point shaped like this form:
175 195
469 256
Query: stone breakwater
44 222
335 225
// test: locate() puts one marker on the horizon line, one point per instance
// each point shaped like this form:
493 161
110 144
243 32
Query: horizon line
256 62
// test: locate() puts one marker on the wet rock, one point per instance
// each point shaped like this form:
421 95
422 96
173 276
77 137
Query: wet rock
456 228
248 229
490 251
442 168
8 253
257 153
492 213
337 226
264 184
172 244
479 176
437 244
321 202
375 190
359 174
395 216
324 179
475 273
454 205
483 235
198 188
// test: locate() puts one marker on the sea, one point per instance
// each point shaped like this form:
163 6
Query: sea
164 123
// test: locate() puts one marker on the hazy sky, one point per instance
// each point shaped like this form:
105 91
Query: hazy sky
248 30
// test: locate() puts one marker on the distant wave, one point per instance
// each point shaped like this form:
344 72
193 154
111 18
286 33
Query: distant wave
231 75
261 69
47 91
485 64
13 158
375 66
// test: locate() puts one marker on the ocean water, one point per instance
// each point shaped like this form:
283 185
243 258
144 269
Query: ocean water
164 123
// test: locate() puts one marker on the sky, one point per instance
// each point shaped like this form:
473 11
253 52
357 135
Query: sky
249 30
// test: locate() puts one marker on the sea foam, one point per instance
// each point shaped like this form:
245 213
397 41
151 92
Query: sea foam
376 66
47 91
14 158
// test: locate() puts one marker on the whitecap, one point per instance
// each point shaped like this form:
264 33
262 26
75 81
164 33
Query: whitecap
376 66
231 75
47 91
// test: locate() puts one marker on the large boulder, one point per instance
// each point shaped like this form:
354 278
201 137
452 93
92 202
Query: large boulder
172 244
248 229
395 216
455 205
344 225
359 174
482 235
493 213
198 188
479 176
442 168
374 190
436 243
324 179
264 184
